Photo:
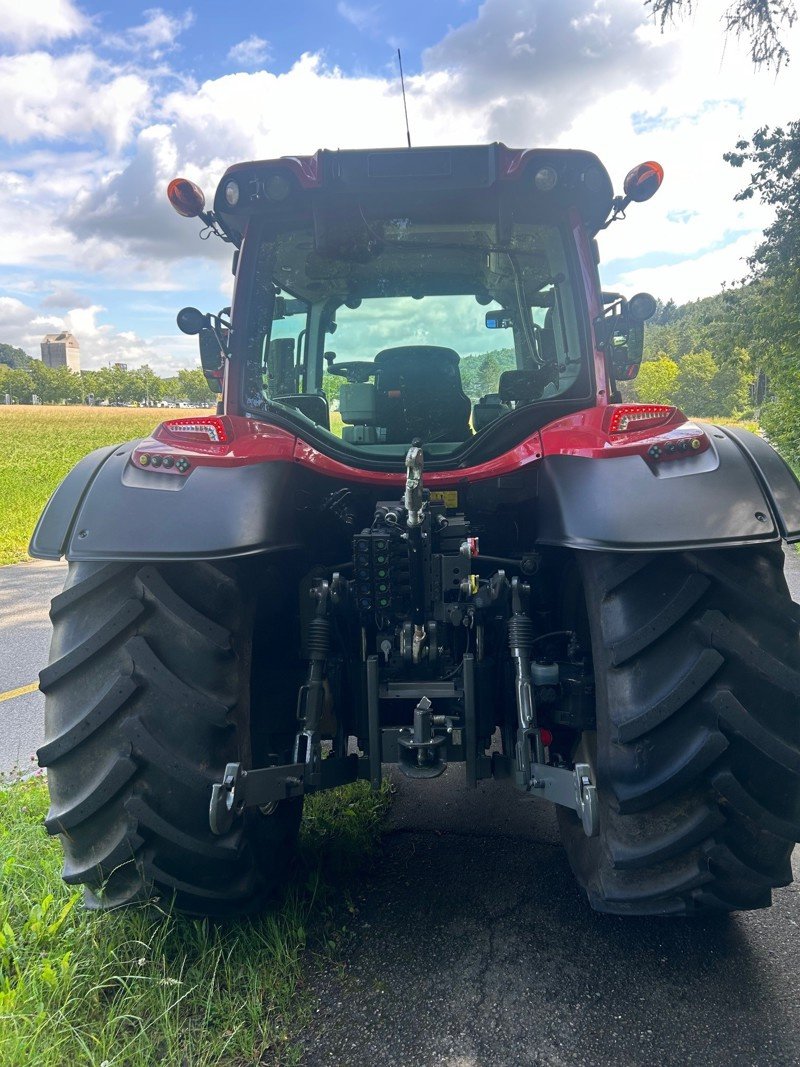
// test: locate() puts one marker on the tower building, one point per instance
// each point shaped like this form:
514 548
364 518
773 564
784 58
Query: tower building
61 350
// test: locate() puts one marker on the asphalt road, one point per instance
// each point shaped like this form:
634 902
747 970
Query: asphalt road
25 594
472 945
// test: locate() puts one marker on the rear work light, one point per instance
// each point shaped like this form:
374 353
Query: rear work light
630 418
209 429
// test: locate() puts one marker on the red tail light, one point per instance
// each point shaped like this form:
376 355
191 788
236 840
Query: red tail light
630 418
210 429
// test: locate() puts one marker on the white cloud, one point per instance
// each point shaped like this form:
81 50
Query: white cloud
71 97
531 66
694 277
39 22
157 35
253 51
100 342
363 18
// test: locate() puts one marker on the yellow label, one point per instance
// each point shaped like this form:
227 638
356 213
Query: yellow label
448 497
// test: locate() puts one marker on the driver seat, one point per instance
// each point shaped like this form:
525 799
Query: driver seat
419 394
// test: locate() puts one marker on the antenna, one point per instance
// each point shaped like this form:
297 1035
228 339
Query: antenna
403 87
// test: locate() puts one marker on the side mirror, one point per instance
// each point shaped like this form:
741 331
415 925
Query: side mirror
211 357
621 333
626 358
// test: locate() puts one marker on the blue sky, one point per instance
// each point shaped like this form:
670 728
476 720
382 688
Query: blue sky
358 37
102 103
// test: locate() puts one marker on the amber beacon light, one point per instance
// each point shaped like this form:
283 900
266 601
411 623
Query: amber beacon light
186 197
643 181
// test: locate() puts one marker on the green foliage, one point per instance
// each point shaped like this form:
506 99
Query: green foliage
192 386
141 987
23 378
695 392
656 382
697 384
331 384
14 357
774 292
480 373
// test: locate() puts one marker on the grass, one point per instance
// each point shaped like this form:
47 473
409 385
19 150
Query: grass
138 987
39 445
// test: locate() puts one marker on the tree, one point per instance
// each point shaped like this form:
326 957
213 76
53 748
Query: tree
732 385
192 386
149 385
762 21
17 383
656 382
55 385
695 392
331 384
14 357
774 156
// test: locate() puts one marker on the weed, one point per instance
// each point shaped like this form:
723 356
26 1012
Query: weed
133 988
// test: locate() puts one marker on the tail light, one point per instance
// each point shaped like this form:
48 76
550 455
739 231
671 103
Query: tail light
631 418
208 429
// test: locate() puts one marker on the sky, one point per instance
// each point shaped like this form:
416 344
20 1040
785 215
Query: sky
103 102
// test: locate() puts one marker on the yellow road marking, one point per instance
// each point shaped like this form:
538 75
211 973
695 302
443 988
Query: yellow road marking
23 689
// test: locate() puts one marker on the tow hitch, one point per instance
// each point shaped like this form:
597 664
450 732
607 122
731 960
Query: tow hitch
571 789
267 786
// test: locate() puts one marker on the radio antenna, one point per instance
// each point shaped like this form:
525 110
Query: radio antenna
403 87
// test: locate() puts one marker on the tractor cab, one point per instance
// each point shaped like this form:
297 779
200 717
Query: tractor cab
443 294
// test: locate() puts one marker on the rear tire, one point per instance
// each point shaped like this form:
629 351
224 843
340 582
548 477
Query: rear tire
147 697
697 750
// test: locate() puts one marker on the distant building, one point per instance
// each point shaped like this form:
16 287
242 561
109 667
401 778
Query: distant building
121 366
61 350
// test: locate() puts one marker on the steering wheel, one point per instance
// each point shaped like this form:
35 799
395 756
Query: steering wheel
353 370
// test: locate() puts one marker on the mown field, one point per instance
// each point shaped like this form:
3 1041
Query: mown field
140 987
38 445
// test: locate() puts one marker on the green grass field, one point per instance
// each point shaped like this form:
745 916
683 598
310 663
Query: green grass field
138 987
39 445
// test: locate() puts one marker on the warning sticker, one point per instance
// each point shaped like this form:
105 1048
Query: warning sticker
448 497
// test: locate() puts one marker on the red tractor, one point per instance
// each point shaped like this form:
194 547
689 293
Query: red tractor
424 527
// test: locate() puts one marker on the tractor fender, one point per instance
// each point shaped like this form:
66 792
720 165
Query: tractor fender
105 509
738 492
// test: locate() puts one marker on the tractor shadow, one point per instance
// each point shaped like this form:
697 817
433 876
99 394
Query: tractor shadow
473 946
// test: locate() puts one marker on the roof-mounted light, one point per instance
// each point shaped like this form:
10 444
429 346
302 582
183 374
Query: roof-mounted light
232 193
643 181
277 186
186 197
545 179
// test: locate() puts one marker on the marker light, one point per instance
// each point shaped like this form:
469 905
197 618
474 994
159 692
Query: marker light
186 197
631 418
207 428
643 181
545 179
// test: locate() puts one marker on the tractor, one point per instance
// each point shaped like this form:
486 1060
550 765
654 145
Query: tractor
424 526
